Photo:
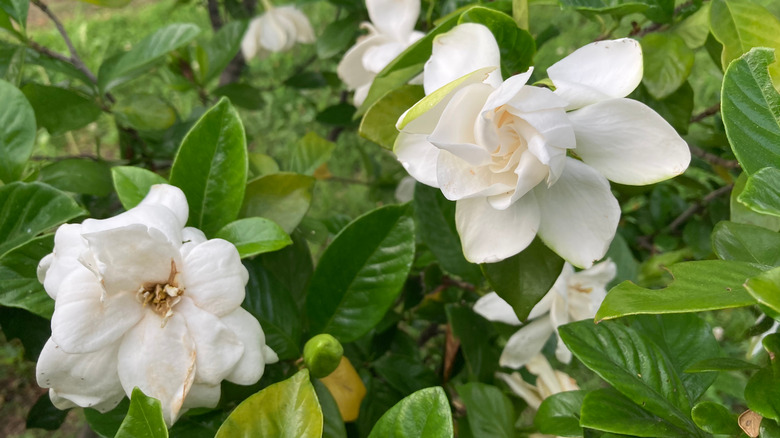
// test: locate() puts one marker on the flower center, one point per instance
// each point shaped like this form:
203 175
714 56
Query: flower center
162 297
582 289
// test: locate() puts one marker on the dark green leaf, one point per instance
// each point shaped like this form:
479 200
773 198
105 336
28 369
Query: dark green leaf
32 330
769 429
523 279
337 36
425 413
222 47
762 191
126 66
361 273
107 424
341 114
435 216
746 243
132 184
211 168
473 332
144 418
242 95
743 215
18 134
489 411
285 409
608 410
19 285
559 414
676 108
43 414
714 418
28 209
145 112
378 124
668 63
282 197
657 10
697 286
16 9
309 153
255 235
405 374
763 393
750 106
78 175
306 80
333 426
58 109
292 266
721 364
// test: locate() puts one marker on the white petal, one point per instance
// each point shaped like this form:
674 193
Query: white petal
459 179
68 246
530 172
418 156
153 215
546 380
303 30
172 198
202 396
351 70
579 214
587 289
628 142
88 380
394 18
217 347
250 367
543 306
85 319
455 130
250 43
191 237
489 235
464 49
276 31
493 308
214 278
598 71
526 343
378 57
361 93
160 361
131 256
525 390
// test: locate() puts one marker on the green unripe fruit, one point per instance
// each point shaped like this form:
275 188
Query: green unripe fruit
322 355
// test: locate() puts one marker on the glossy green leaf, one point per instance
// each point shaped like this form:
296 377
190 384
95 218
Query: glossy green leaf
668 62
361 273
43 414
18 134
695 28
740 25
28 209
107 424
337 36
721 364
109 3
765 288
254 235
715 418
405 374
746 243
132 184
474 331
559 414
610 411
292 266
744 215
523 279
762 191
19 285
144 418
273 305
435 216
657 10
288 409
16 9
634 365
697 286
750 106
333 425
222 47
762 393
489 411
128 65
211 168
78 175
58 109
145 112
769 429
282 197
425 413
56 65
378 124
309 153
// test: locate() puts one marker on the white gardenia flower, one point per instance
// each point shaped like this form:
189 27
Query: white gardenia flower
505 150
548 382
140 300
574 296
276 30
390 32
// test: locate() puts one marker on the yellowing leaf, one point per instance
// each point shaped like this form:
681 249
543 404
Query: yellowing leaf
346 388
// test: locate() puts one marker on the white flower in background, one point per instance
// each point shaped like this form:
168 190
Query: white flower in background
276 30
756 344
390 32
504 150
574 296
548 382
142 301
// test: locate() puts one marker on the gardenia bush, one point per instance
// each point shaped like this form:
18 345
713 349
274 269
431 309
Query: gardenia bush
391 218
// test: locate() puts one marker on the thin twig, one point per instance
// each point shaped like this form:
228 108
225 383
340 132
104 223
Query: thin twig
712 158
214 17
711 111
655 27
75 59
693 209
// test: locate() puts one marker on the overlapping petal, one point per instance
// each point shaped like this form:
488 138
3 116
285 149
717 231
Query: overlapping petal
526 343
218 294
395 18
249 368
493 308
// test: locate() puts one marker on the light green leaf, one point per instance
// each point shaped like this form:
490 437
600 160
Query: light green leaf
78 175
144 418
16 9
132 184
126 66
28 209
715 418
254 235
762 393
765 288
559 414
222 47
762 191
361 273
741 25
19 285
287 409
610 411
18 133
145 112
746 243
425 413
309 153
657 10
261 164
211 168
489 411
743 215
378 124
282 197
58 109
520 13
751 110
695 28
697 286
523 279
668 62
109 3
